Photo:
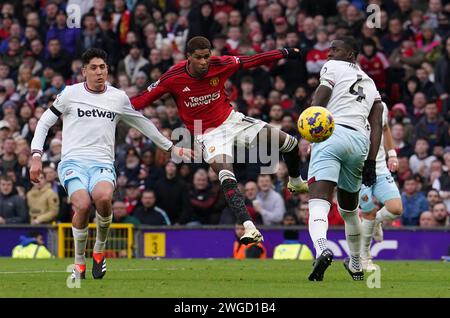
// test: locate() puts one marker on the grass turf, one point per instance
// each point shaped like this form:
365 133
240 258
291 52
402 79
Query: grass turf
220 278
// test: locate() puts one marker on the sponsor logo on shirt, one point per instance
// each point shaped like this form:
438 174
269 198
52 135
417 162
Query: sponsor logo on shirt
96 113
195 101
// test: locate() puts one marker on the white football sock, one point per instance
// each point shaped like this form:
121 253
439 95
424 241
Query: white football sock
368 227
80 239
103 224
383 214
318 223
353 236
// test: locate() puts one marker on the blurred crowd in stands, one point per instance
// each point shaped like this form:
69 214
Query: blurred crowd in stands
41 41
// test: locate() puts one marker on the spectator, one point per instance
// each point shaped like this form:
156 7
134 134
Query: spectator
440 214
302 213
51 177
66 36
374 63
442 184
133 63
269 204
291 248
432 126
414 203
53 154
31 246
172 194
433 197
394 38
149 214
403 148
317 57
13 208
8 159
427 220
442 78
420 162
203 200
202 23
120 214
43 203
57 58
133 195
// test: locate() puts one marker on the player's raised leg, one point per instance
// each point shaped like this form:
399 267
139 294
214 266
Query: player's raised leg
222 165
81 203
102 196
288 147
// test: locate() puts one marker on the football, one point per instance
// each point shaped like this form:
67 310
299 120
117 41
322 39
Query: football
316 124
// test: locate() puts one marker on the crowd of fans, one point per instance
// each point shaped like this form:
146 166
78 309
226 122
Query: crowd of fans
407 54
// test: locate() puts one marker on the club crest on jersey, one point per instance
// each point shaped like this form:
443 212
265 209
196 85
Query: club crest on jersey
211 149
153 85
365 198
214 81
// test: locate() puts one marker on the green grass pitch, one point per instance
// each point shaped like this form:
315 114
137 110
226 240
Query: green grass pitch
220 278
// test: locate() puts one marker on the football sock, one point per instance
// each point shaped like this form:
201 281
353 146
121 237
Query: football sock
103 223
353 236
383 214
289 151
80 240
234 197
366 238
318 223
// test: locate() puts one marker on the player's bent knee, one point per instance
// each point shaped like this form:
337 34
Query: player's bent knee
82 206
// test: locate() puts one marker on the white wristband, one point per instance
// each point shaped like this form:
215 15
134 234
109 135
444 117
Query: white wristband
37 155
392 153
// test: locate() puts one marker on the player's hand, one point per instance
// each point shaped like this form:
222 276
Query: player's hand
369 175
393 164
186 154
35 169
292 53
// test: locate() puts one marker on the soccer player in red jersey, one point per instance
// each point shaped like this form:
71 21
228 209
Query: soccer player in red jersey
197 86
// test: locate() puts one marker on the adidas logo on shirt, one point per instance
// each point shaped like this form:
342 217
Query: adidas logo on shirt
96 113
186 89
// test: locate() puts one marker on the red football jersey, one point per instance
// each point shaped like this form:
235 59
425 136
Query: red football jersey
202 102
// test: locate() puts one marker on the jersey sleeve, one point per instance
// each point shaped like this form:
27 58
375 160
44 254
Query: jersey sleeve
250 61
328 75
137 120
60 104
153 92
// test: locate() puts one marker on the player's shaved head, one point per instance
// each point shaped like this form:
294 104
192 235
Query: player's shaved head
198 43
350 44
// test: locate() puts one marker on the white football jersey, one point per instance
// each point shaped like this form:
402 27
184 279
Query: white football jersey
89 123
353 94
381 166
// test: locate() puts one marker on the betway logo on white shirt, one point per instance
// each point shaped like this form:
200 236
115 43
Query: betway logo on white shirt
96 113
202 100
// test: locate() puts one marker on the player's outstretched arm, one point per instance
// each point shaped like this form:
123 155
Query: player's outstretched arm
250 61
137 120
47 120
376 123
153 92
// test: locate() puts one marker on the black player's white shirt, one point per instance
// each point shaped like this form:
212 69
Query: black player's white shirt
353 93
89 123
